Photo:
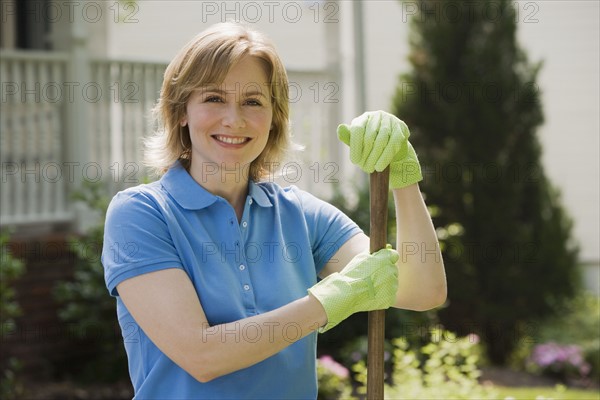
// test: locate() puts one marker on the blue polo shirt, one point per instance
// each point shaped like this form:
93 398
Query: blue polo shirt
239 269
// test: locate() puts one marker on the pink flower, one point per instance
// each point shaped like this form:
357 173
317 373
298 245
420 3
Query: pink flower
473 338
559 358
333 366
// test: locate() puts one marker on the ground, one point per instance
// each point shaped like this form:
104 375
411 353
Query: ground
499 376
507 377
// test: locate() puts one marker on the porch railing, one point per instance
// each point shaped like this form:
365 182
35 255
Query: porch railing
122 117
32 138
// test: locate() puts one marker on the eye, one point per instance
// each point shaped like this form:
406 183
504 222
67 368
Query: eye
253 102
213 99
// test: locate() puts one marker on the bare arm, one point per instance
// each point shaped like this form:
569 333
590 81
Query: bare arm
165 305
421 276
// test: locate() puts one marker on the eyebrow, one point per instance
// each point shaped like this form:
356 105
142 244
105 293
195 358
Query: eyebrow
247 93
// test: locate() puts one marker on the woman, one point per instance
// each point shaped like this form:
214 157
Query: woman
215 272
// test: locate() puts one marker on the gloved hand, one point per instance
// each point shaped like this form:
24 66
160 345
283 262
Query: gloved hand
378 139
369 282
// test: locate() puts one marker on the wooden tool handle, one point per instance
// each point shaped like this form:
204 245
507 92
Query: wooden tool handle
378 192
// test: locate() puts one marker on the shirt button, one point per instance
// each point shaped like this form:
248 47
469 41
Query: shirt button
246 287
242 267
250 201
244 224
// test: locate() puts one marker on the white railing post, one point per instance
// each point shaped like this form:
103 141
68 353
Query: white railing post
77 130
335 76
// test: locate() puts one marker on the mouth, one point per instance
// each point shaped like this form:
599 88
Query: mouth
231 140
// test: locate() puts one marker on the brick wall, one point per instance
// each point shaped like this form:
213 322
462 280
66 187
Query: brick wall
44 345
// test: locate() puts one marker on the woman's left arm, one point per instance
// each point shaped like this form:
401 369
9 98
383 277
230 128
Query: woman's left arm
378 140
421 276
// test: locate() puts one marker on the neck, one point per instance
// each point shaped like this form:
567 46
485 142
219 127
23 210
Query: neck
230 184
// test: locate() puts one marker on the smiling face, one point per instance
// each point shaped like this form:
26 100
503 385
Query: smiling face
229 123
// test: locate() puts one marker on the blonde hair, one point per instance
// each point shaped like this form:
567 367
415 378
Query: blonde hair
207 59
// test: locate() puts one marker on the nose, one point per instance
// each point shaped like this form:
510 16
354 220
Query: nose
233 117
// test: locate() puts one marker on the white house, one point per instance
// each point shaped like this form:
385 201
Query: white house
73 105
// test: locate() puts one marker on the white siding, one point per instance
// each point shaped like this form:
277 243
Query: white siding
162 28
566 37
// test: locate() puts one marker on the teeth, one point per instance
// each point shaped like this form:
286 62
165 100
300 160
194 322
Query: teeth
231 140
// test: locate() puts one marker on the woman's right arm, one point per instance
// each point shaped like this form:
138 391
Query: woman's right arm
166 307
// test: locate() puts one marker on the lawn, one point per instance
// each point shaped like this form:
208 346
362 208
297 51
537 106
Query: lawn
540 393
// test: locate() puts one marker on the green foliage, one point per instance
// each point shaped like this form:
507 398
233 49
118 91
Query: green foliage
10 270
444 368
85 301
11 386
473 106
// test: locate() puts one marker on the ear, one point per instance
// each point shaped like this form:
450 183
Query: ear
183 122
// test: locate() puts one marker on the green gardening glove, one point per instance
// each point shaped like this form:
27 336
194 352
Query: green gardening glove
368 282
378 139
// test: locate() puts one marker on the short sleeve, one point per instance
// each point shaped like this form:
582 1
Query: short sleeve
136 239
328 227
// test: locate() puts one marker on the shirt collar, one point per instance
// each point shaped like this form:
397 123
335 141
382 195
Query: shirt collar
258 195
192 196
